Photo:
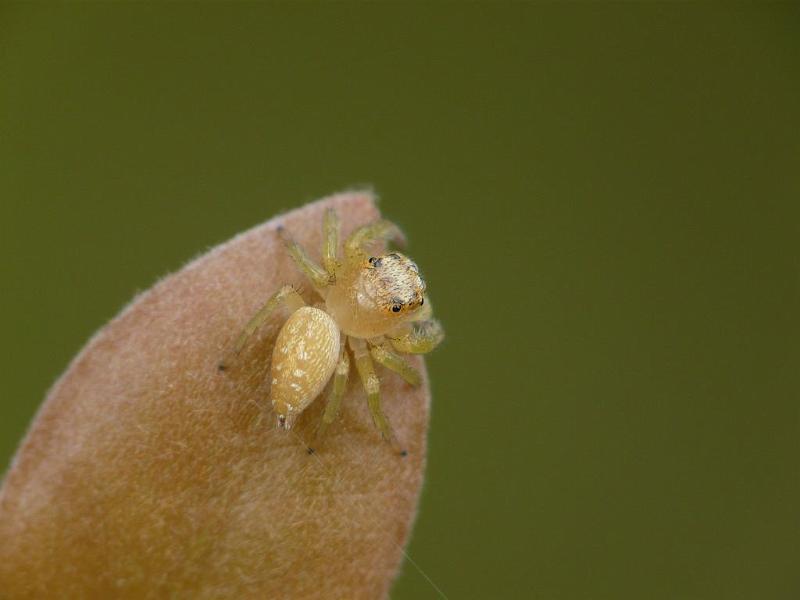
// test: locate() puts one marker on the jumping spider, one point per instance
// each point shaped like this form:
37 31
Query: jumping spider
373 305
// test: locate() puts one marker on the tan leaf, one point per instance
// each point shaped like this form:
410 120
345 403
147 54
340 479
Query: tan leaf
149 473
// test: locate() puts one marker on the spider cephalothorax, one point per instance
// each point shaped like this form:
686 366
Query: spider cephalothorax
372 307
376 295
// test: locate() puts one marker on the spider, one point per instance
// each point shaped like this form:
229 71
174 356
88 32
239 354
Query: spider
372 307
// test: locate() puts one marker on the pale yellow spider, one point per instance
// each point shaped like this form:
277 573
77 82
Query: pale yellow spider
373 305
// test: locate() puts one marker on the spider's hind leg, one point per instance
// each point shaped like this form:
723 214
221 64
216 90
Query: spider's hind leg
288 295
334 399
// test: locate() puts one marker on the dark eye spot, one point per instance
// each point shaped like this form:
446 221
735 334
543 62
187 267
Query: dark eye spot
374 261
397 308
422 301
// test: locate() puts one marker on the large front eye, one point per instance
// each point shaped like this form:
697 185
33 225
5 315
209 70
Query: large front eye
396 308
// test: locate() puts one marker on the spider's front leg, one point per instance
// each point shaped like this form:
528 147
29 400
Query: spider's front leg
319 277
383 355
330 244
419 337
369 379
286 294
380 230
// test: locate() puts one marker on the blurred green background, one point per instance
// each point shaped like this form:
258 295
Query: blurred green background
603 199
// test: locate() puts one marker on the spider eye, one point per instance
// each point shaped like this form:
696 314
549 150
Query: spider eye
374 261
396 308
422 301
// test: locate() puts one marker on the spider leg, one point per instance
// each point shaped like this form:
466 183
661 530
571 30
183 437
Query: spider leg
286 294
330 245
318 276
419 337
384 355
380 230
371 383
334 398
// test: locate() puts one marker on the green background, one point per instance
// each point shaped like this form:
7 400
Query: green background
603 199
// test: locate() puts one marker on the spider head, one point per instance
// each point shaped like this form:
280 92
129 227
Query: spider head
392 285
378 294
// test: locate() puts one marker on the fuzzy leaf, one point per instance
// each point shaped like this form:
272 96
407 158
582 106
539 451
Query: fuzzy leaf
149 473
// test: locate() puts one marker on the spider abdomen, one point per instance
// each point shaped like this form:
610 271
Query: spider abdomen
305 355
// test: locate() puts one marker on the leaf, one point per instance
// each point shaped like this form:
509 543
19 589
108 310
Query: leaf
149 473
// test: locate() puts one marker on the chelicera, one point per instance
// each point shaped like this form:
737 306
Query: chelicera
372 308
